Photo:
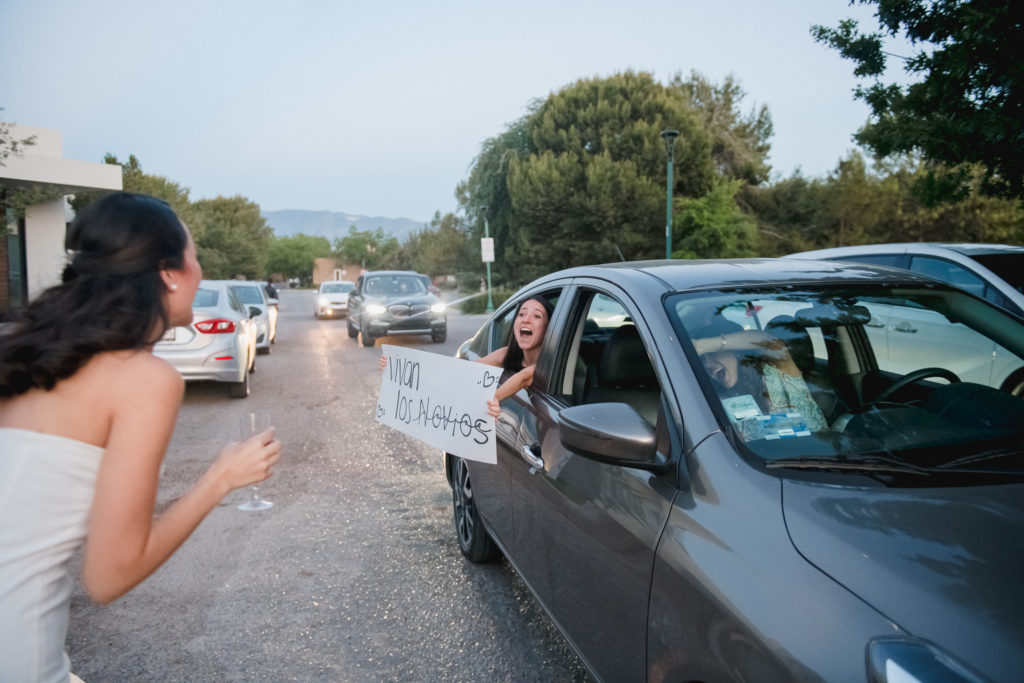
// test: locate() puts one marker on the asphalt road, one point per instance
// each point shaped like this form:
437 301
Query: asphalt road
353 575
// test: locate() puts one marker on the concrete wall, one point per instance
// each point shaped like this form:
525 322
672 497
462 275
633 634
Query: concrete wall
42 165
45 228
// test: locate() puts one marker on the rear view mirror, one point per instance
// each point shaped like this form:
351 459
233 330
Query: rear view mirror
830 315
253 311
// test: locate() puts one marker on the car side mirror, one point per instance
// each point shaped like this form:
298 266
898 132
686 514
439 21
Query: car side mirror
610 432
253 311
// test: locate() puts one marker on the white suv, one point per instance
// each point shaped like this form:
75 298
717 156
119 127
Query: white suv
991 271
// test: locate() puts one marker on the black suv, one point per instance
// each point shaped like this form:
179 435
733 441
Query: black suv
388 302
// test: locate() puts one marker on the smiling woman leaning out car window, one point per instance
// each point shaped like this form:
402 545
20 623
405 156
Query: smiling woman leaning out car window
519 356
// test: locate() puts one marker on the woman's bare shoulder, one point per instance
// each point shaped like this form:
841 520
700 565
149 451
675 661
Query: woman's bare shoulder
140 367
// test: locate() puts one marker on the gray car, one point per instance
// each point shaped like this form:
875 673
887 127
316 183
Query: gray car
386 302
219 345
718 476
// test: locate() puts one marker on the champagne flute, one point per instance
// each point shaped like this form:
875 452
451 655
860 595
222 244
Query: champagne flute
249 425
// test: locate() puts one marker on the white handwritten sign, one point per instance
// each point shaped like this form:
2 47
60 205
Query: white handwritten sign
439 400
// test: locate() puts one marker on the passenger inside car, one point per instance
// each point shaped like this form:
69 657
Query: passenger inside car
761 387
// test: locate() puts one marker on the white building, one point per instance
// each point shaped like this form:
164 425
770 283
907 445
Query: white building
32 246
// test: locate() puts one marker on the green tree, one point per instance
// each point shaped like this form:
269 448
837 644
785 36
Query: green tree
714 226
134 179
581 178
232 238
445 247
739 142
964 104
372 249
295 256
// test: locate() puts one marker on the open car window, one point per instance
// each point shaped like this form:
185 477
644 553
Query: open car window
607 360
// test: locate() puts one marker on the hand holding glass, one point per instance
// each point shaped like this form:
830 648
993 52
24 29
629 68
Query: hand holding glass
251 424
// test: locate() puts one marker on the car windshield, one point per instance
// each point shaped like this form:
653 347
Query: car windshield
205 298
924 375
392 285
248 294
1009 267
335 287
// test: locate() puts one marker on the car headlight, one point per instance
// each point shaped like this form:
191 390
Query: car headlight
375 309
438 307
322 301
910 660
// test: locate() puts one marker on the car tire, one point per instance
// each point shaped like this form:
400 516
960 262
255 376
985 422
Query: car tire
439 337
241 389
367 338
352 331
474 541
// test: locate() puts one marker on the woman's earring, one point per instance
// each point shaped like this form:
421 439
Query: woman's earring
173 287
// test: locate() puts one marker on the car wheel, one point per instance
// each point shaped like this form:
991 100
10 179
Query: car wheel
352 331
439 337
367 338
241 389
474 541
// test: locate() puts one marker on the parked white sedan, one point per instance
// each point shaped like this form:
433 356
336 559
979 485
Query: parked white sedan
219 345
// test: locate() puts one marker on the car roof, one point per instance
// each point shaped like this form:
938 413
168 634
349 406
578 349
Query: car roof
683 275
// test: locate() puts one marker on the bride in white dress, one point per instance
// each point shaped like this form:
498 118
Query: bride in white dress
86 412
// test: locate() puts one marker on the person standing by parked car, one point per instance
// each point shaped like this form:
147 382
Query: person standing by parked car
80 447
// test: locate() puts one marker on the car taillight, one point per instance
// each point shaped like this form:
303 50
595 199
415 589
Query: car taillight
216 326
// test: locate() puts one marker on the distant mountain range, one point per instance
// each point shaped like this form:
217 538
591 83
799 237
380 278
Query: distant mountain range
333 224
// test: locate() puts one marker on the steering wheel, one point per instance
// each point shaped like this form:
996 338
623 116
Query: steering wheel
916 376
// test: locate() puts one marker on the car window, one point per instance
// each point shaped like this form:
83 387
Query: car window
1010 267
893 260
607 360
393 285
205 298
235 304
950 272
335 287
899 369
248 294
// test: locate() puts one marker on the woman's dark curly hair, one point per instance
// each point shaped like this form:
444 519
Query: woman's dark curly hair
514 355
110 297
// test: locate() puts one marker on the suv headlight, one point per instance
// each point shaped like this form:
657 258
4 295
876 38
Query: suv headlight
438 307
910 660
376 309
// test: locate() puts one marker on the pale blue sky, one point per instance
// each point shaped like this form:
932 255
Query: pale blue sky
379 108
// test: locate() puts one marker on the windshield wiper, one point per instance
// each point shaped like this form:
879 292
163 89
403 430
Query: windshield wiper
868 464
993 454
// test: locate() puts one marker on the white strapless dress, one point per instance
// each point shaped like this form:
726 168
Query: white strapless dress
46 491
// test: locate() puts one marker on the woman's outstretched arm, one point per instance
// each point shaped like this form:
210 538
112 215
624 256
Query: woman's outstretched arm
125 544
520 380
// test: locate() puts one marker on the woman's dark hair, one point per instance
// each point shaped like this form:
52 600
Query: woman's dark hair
514 356
110 297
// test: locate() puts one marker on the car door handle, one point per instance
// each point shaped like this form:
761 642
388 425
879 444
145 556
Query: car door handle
536 462
875 322
904 327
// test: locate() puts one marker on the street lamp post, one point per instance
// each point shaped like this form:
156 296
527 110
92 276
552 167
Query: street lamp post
670 145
